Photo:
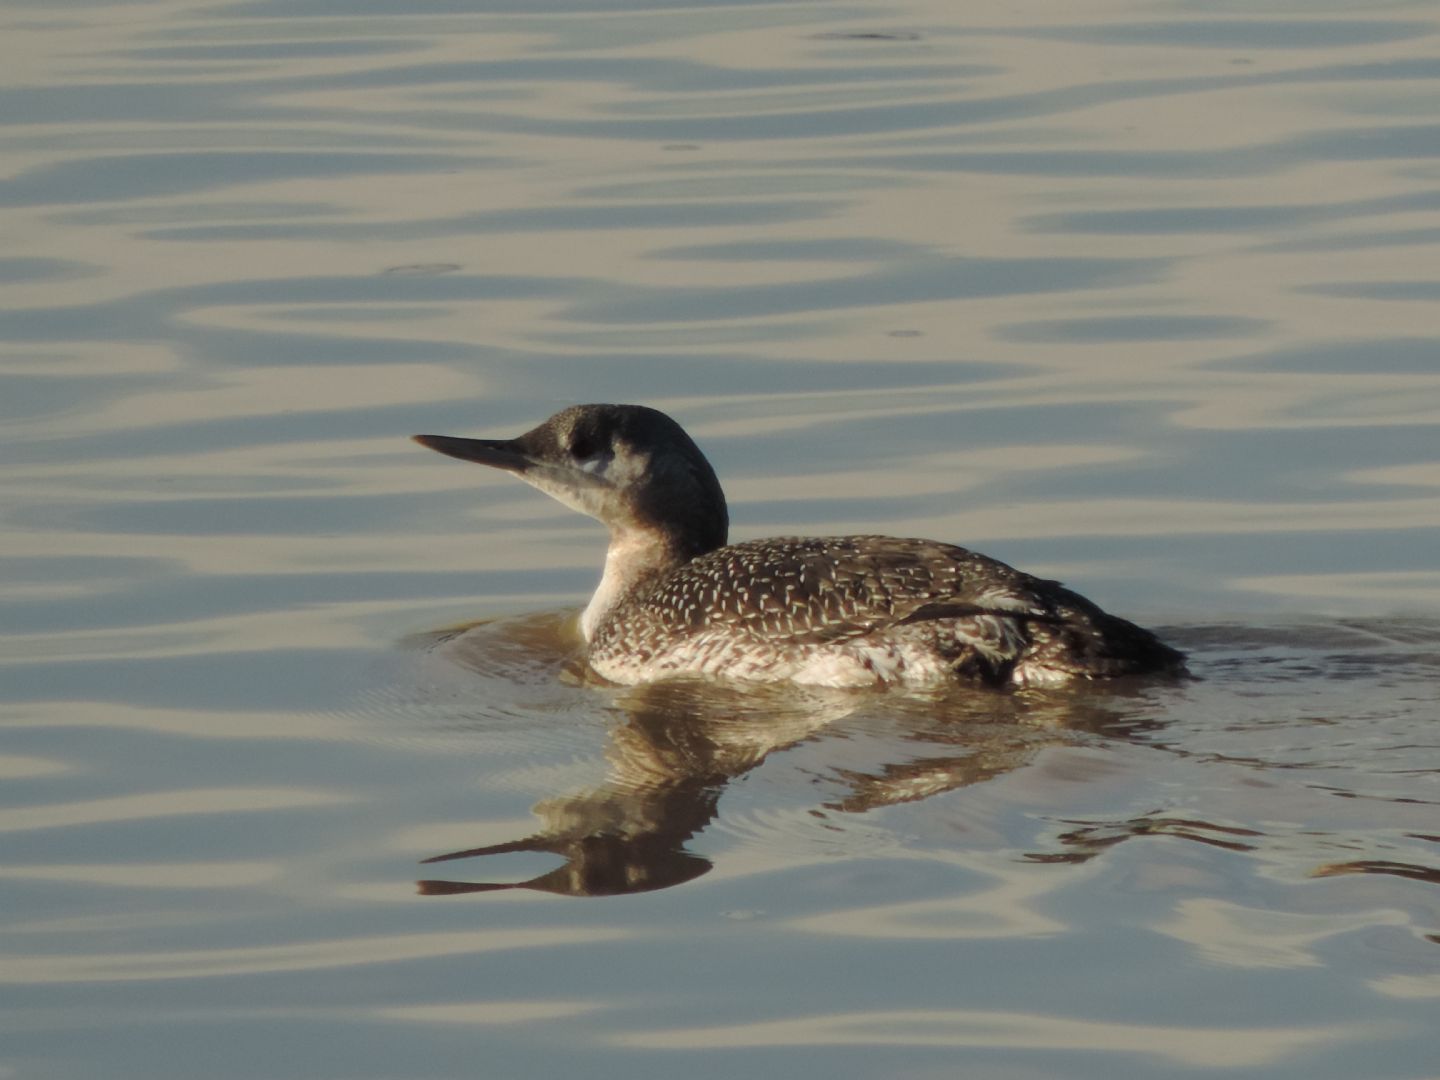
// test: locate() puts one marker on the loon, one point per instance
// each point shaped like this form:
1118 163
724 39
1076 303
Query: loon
677 599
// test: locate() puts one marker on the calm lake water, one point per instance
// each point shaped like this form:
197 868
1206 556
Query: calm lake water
1139 295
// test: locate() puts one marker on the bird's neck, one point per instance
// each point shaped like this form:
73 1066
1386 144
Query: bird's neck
635 559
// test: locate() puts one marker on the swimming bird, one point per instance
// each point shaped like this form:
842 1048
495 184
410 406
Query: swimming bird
677 599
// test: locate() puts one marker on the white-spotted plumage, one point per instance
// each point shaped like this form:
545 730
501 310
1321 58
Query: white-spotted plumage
845 611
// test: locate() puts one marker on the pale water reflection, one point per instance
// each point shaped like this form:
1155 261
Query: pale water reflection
1186 1046
1136 295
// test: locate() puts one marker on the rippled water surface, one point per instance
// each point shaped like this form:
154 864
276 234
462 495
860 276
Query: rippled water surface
1138 295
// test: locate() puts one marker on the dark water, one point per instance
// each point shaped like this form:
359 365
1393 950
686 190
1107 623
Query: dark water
1138 297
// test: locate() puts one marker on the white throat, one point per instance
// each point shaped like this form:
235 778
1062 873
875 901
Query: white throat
632 556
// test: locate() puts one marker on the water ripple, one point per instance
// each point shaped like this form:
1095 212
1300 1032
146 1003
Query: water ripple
1227 1047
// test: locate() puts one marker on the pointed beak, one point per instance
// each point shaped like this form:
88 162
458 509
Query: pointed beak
575 487
497 453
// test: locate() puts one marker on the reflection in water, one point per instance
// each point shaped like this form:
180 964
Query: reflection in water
671 758
680 743
1089 839
1178 1045
1428 874
674 748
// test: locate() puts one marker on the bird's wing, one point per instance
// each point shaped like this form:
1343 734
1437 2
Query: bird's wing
835 589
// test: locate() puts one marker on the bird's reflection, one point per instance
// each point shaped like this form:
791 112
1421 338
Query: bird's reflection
673 750
679 744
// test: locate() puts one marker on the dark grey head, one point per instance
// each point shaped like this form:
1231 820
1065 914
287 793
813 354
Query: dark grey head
631 467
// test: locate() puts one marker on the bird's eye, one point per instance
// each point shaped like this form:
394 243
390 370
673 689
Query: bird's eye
584 445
